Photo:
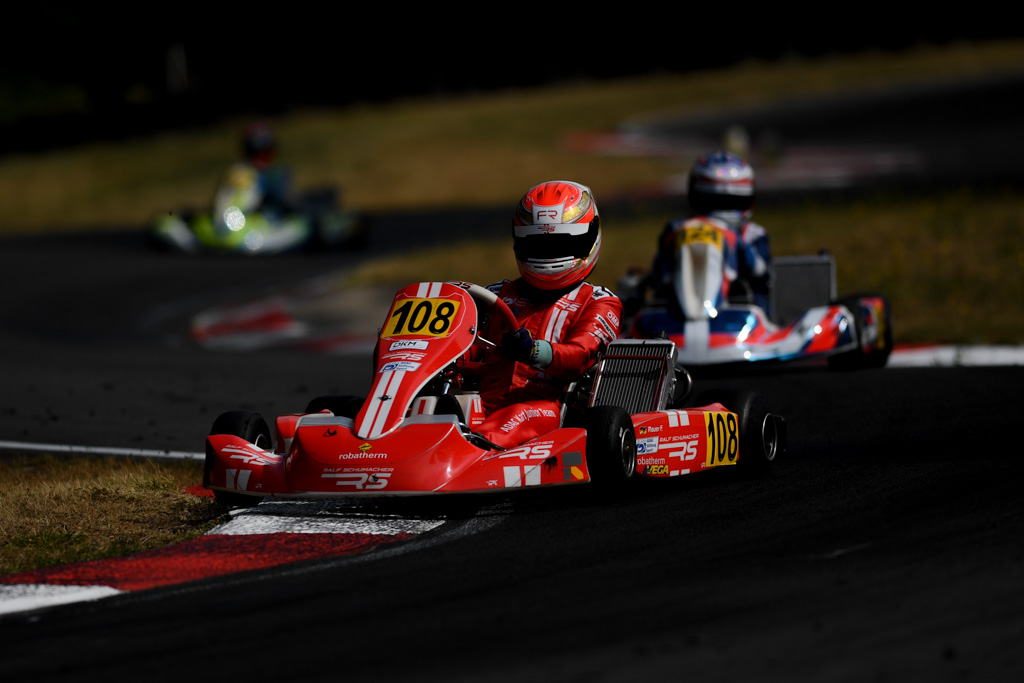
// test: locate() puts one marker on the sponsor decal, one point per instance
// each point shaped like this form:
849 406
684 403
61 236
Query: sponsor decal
647 445
656 470
365 447
398 366
572 464
680 437
524 415
644 430
250 454
538 451
360 480
404 355
362 455
686 452
566 305
650 461
515 302
407 344
608 329
372 470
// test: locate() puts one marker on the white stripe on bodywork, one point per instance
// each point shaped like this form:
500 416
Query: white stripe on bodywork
512 476
237 479
384 409
516 476
677 418
429 290
378 410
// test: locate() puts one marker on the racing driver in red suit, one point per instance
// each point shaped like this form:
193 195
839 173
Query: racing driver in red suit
564 321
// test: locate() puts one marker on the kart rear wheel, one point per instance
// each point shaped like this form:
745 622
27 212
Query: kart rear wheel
611 446
254 429
762 435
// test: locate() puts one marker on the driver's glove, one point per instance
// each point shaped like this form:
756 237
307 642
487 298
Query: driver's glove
521 346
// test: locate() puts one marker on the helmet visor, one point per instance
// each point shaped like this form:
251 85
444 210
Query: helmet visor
554 241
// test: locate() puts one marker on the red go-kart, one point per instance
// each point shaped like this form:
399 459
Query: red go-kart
413 433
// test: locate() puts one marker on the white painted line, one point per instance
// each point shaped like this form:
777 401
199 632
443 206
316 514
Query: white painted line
948 355
98 450
288 517
29 596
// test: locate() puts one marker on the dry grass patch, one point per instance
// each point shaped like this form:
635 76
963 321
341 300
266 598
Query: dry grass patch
951 265
470 150
55 511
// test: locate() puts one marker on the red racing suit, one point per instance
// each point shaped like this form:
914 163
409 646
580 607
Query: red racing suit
522 402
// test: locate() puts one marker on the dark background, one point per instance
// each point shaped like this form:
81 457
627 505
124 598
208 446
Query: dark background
172 65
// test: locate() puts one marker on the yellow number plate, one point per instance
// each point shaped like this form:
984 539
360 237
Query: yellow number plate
422 318
700 234
723 439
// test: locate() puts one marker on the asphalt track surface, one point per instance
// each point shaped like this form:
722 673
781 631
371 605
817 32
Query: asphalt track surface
885 545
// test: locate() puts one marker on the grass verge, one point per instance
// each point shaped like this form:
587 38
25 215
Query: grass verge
55 511
481 150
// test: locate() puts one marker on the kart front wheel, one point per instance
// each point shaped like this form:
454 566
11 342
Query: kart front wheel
611 446
254 429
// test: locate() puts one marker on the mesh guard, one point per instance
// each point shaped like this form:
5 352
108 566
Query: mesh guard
800 283
637 375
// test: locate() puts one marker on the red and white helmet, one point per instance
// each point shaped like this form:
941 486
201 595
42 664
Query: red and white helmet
556 234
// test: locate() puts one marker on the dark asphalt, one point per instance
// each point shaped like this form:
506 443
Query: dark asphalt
885 546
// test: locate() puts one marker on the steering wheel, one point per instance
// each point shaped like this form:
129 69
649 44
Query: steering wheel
491 302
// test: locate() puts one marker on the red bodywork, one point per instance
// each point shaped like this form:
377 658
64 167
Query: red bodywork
395 445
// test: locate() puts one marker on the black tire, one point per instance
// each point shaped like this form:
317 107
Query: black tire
611 446
761 435
683 389
254 429
342 406
858 359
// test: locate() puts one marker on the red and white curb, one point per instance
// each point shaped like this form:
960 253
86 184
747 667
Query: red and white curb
271 534
954 355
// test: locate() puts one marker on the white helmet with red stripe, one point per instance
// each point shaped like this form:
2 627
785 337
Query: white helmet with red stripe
721 183
556 234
